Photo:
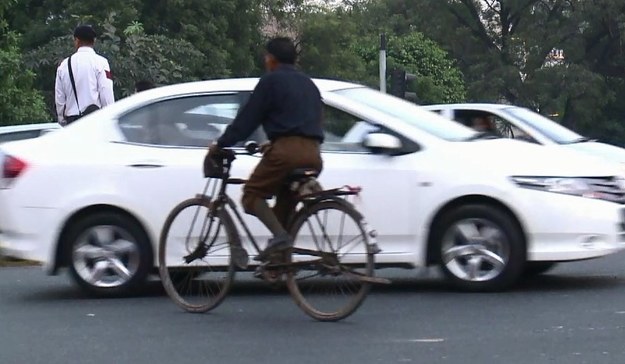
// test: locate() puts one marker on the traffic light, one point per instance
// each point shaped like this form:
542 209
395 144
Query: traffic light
399 82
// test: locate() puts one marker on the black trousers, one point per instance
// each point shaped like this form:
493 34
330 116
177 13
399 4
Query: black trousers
71 119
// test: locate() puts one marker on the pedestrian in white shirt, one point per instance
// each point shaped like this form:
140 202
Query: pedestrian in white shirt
84 82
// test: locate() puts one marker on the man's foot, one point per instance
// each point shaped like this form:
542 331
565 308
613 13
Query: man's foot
274 245
240 256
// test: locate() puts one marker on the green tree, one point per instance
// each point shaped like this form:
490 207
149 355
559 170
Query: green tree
326 41
19 102
132 54
40 21
332 44
438 80
225 31
504 49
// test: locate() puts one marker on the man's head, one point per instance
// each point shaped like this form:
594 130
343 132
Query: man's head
84 36
279 51
483 123
143 85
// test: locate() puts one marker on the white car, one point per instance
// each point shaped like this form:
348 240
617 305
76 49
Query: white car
93 196
516 122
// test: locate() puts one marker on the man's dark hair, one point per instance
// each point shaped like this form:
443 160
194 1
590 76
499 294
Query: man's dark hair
85 33
283 49
143 85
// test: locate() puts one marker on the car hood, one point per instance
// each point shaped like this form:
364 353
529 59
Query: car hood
606 151
527 159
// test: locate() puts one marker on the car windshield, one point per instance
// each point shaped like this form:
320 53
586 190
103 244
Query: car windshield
409 112
545 126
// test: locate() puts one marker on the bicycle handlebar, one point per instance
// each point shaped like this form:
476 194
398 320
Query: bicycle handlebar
251 147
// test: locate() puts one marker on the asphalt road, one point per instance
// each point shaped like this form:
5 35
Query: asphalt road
575 314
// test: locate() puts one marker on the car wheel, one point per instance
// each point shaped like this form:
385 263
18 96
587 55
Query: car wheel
536 268
480 248
109 254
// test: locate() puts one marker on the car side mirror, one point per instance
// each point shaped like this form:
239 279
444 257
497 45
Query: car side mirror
382 143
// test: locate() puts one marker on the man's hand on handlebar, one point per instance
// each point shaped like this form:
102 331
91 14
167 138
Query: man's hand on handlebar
213 149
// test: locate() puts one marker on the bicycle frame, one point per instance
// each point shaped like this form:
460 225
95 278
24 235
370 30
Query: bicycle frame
222 200
293 266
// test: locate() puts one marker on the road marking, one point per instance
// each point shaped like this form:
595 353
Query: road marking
428 340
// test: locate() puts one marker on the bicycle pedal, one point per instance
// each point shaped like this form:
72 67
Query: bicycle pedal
272 277
264 272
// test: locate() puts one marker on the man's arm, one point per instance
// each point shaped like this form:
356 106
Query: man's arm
105 84
59 96
250 117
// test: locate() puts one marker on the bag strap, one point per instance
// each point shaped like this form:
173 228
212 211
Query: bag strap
71 78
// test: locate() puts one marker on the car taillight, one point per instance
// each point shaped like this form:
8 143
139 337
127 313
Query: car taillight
12 167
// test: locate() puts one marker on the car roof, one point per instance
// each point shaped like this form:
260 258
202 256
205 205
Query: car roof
234 84
248 83
216 85
470 105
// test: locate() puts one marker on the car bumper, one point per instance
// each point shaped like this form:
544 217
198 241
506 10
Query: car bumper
29 233
564 228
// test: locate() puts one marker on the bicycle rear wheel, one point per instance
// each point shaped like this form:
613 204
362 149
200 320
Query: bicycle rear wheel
330 261
194 258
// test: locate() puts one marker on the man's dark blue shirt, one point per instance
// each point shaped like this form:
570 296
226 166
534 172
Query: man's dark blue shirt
285 102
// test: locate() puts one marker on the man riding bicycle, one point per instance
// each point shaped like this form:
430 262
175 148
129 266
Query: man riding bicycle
288 105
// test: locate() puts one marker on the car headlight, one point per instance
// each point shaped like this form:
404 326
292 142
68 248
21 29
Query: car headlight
566 185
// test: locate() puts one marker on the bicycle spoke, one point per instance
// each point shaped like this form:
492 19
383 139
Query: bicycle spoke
197 286
330 290
324 232
312 233
343 216
354 239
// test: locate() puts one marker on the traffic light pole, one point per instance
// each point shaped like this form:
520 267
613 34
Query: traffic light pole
383 62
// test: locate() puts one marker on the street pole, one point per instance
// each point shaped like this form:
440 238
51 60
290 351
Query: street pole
383 62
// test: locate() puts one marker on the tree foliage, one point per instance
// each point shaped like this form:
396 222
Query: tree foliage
19 102
132 54
475 50
509 51
326 41
438 80
332 44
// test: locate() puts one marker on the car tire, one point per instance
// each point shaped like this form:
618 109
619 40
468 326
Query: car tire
108 254
536 268
480 248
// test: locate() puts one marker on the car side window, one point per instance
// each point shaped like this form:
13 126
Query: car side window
19 135
191 121
484 120
343 131
508 130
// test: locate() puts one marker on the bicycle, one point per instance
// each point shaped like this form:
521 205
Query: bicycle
193 285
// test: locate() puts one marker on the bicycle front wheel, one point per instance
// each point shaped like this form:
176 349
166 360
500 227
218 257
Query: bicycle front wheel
194 257
330 261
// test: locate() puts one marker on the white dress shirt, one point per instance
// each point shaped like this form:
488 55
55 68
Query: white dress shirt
93 79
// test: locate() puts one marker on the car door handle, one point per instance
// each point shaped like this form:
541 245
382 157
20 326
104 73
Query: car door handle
145 165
